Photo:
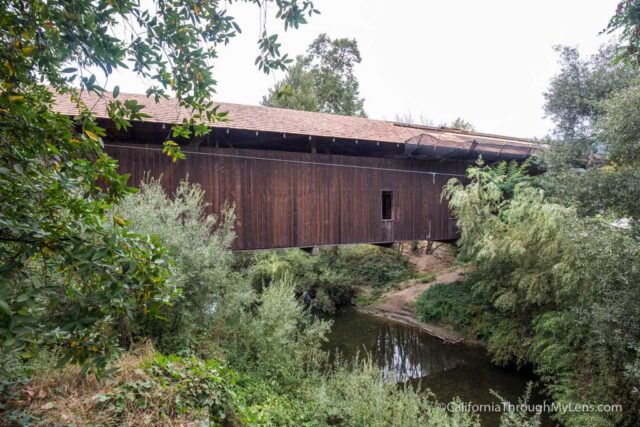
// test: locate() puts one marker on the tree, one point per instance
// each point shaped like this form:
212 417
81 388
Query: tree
66 275
572 100
297 91
554 280
627 19
460 123
552 289
322 80
592 161
408 119
199 244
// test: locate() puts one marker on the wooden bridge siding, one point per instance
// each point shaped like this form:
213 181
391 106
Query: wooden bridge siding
280 204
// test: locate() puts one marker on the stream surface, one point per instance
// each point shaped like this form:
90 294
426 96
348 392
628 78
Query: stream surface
406 354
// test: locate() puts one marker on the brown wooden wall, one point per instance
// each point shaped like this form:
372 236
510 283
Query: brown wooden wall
288 199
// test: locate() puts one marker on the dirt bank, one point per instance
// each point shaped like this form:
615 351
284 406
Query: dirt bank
399 305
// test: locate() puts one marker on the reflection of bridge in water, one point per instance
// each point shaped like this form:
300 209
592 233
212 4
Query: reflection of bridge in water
402 352
406 354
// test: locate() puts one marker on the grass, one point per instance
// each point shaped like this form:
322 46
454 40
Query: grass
68 397
363 300
147 388
447 305
426 277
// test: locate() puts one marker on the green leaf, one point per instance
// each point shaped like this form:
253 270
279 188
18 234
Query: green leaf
5 307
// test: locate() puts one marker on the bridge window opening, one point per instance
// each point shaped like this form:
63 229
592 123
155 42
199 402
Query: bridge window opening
387 205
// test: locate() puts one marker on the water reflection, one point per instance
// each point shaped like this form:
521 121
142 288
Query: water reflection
405 353
402 353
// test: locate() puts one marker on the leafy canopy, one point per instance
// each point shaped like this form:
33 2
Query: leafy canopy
592 162
65 275
322 80
549 288
627 20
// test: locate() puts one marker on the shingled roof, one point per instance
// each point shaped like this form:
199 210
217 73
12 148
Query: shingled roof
280 120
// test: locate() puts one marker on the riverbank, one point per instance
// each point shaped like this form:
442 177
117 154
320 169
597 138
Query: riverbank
399 304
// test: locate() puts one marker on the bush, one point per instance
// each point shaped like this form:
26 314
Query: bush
266 267
334 275
369 265
360 396
447 304
199 244
351 396
146 388
278 340
172 387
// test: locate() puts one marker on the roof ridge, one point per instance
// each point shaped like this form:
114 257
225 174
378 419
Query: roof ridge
282 120
463 132
325 113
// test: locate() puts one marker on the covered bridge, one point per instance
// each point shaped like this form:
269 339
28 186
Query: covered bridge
303 179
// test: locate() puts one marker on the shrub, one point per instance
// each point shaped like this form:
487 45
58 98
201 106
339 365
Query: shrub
351 396
369 265
447 304
279 339
270 266
360 396
146 388
334 275
199 244
173 387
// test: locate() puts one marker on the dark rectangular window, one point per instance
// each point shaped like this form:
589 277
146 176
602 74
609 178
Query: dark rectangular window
387 205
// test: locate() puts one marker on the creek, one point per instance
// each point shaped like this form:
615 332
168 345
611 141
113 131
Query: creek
407 354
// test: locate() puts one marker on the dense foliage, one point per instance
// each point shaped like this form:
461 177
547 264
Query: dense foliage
592 163
447 304
555 290
174 388
59 256
627 19
322 80
556 255
65 273
335 275
198 244
151 388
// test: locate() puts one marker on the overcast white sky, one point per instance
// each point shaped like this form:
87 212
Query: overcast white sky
488 62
